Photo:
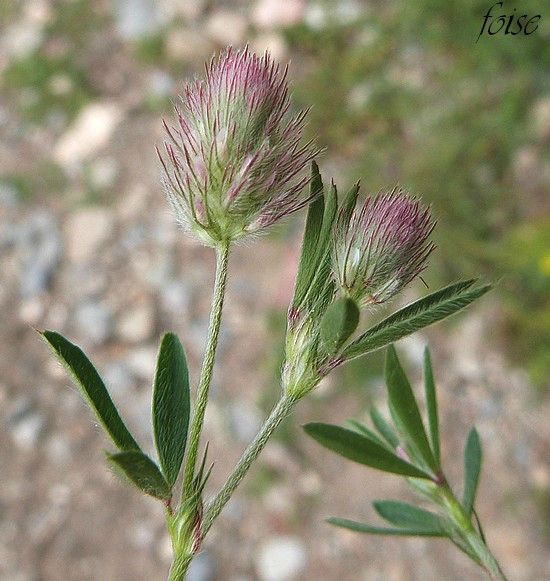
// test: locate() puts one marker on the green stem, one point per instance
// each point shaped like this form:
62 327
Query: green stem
281 410
222 258
473 540
179 567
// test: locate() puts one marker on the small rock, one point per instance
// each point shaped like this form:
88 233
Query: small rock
94 321
135 19
21 39
188 45
31 311
175 297
227 28
202 568
136 324
27 430
280 559
189 10
160 83
246 420
86 231
119 379
271 42
40 243
90 131
142 362
269 14
103 173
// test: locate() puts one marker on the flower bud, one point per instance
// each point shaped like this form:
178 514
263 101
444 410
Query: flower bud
233 162
381 247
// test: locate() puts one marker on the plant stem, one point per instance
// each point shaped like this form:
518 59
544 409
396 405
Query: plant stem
222 258
281 410
179 567
472 538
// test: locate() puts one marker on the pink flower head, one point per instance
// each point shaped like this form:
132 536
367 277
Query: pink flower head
234 160
381 247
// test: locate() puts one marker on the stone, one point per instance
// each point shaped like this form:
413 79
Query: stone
27 429
135 19
86 231
88 134
268 14
40 244
202 568
246 420
136 324
94 321
280 559
227 28
142 362
188 45
103 173
176 298
273 43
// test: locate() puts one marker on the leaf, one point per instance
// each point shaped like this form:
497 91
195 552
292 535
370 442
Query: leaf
407 516
314 221
404 410
374 530
431 406
338 324
141 471
420 314
358 448
92 388
364 431
472 468
171 405
384 428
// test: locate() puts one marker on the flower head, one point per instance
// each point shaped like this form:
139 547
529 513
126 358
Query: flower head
233 161
381 247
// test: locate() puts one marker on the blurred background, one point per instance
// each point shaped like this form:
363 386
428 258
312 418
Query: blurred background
401 93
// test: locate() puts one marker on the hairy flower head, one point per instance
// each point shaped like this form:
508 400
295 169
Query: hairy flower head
381 247
233 161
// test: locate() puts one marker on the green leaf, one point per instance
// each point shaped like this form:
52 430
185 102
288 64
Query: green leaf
314 221
384 428
92 388
472 468
364 431
374 530
141 471
171 406
404 411
431 406
420 314
338 324
358 448
348 205
407 516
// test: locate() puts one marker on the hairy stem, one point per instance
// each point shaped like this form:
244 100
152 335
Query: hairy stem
281 410
179 567
474 542
222 258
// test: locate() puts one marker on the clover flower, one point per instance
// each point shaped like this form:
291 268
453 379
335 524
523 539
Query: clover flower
381 247
233 161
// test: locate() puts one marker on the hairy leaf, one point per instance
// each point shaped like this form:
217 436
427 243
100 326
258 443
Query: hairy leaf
93 389
314 221
338 324
375 530
472 468
420 314
358 448
431 406
407 516
171 404
141 471
405 412
386 431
